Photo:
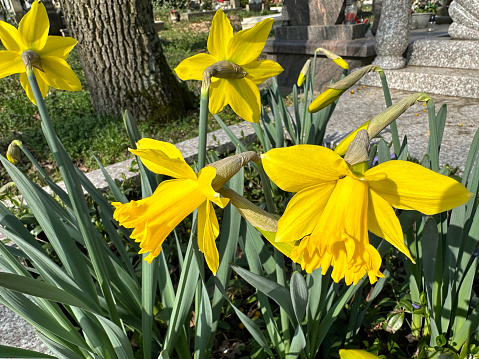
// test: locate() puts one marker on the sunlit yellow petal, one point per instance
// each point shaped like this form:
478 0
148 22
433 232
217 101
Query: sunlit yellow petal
58 46
10 63
383 222
156 216
221 33
244 99
167 148
356 354
28 90
34 26
342 147
341 63
10 38
205 177
298 167
247 45
208 230
303 212
193 67
160 157
260 71
218 92
59 75
326 98
411 186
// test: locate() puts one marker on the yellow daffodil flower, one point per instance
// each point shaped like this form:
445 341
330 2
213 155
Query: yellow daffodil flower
32 34
241 49
334 208
155 217
356 354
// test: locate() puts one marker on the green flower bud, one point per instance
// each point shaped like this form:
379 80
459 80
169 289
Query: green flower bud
14 153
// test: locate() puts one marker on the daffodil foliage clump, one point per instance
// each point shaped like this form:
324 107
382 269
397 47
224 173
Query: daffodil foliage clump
345 257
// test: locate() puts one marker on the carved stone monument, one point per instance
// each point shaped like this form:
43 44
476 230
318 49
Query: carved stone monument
313 24
393 34
465 14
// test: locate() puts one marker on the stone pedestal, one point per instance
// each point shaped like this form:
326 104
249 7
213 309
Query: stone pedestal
393 34
313 24
465 14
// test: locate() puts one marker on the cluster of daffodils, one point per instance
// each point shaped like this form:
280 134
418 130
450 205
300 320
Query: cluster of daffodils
338 199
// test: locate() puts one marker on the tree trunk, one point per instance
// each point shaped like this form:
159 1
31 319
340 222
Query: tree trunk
122 58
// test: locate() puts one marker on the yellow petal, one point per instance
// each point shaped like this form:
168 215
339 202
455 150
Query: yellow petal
156 216
41 84
221 33
303 212
218 91
383 222
10 38
411 186
260 71
58 46
342 147
10 63
58 74
326 98
208 230
247 45
163 158
243 97
356 354
205 177
298 167
341 63
34 26
193 67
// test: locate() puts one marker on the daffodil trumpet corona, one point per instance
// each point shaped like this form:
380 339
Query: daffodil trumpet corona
336 204
231 69
30 48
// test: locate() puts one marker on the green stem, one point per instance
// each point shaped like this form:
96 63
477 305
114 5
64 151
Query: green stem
73 185
203 127
393 125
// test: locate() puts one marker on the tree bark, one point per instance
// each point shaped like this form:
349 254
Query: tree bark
122 58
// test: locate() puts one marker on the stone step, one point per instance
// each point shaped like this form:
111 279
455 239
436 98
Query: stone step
444 52
432 80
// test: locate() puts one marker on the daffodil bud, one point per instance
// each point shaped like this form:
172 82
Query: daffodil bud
358 150
342 147
13 152
32 59
229 166
382 120
223 70
258 217
303 73
338 60
354 77
334 91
